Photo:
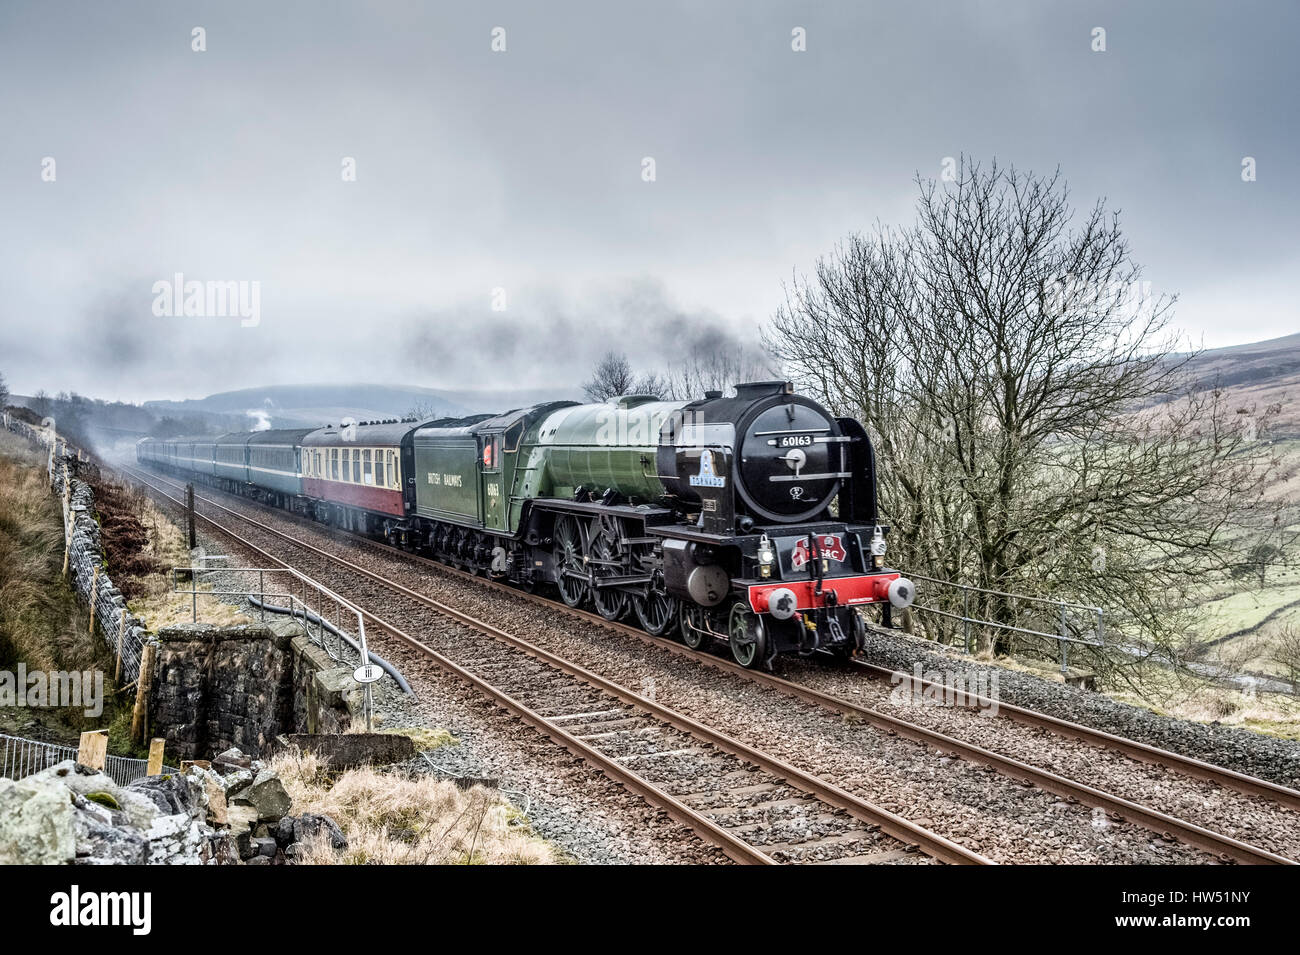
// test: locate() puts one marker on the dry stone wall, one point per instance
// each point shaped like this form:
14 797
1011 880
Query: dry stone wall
216 688
88 574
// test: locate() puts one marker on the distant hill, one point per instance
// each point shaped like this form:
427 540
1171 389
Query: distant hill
309 406
1259 373
1257 363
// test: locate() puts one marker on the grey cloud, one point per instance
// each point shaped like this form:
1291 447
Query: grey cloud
522 170
557 341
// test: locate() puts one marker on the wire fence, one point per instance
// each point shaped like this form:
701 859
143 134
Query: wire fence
123 632
23 757
963 610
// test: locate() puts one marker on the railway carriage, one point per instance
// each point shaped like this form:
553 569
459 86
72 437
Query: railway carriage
201 455
230 460
275 464
352 476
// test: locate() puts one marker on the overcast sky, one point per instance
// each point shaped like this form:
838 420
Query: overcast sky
522 170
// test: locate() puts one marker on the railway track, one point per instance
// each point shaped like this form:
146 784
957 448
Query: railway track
1224 846
755 807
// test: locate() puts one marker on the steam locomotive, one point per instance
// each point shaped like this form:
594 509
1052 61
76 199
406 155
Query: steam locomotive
750 520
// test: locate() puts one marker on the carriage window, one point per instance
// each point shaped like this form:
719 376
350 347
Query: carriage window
393 482
334 461
379 469
347 464
356 466
367 468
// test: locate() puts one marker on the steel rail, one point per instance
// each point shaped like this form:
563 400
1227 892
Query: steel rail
1143 752
1148 818
736 849
931 843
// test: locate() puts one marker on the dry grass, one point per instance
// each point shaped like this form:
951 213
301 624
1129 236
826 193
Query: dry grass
393 820
1189 698
41 622
160 606
166 543
167 609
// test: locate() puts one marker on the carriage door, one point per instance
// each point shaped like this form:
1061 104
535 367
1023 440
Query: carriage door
491 485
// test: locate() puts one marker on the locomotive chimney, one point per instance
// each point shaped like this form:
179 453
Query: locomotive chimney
759 389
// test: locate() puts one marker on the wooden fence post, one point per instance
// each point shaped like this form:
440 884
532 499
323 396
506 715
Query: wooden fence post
67 523
94 588
93 749
121 633
140 716
155 758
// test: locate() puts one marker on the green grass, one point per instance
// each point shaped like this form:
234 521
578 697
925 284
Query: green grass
1246 610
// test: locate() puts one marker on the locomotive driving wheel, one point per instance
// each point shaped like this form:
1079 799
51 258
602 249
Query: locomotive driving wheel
747 636
605 549
569 553
656 611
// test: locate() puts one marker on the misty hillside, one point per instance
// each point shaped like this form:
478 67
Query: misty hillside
1258 373
1273 362
309 406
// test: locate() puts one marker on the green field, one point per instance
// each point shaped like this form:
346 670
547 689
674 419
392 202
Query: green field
1240 605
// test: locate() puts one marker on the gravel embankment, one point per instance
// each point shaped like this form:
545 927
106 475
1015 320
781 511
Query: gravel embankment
1239 749
1003 819
588 816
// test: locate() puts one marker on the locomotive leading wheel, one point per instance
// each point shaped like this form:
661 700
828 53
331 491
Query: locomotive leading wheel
693 624
747 636
568 561
856 631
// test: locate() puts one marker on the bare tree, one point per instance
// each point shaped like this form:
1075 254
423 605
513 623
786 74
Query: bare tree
1256 562
1020 383
41 402
423 410
4 392
612 376
1285 652
653 384
718 369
